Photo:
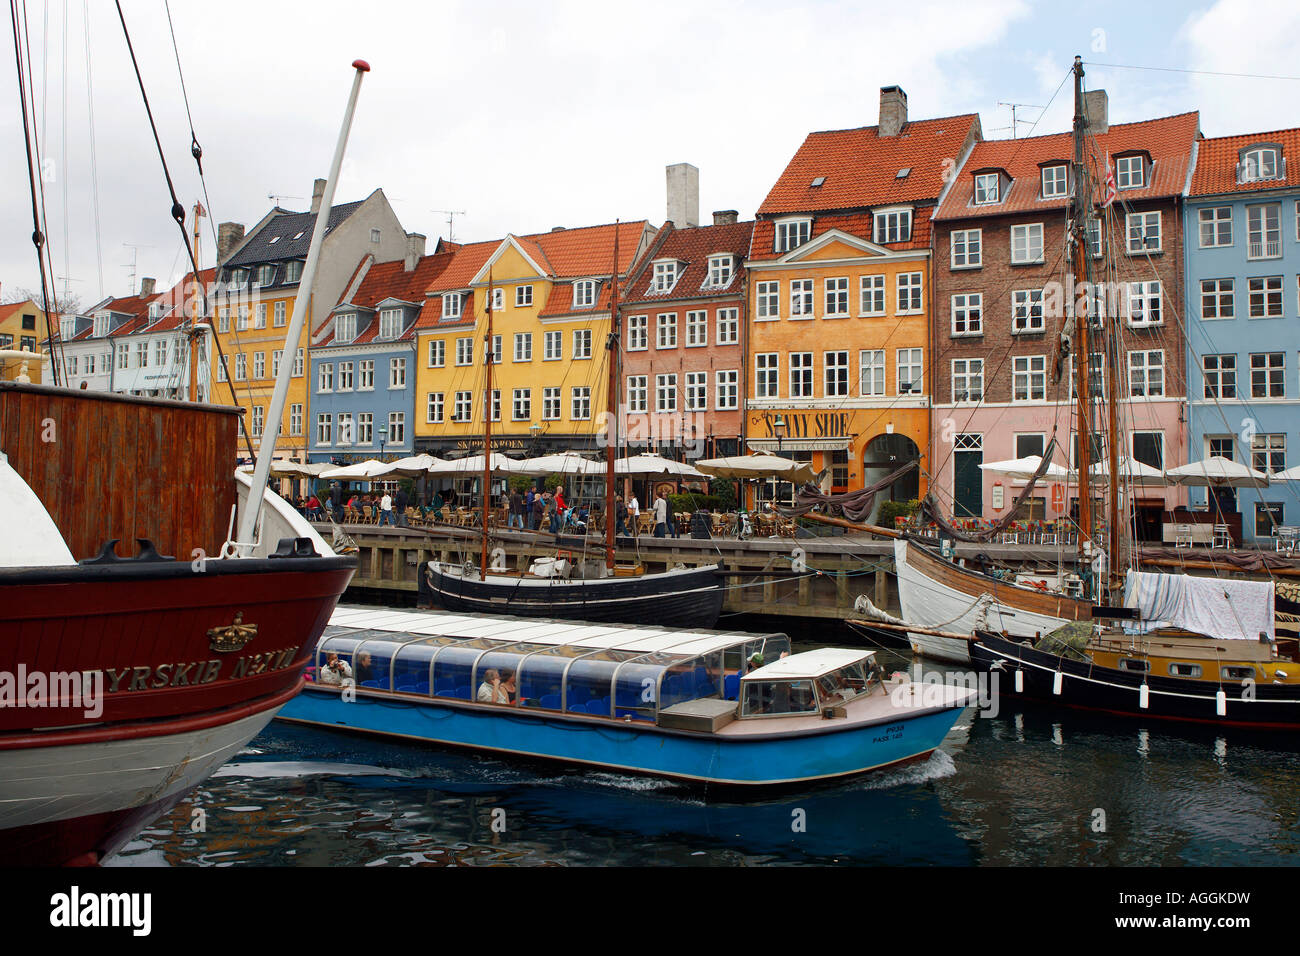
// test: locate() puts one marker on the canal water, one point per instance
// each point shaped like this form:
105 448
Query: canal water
1026 787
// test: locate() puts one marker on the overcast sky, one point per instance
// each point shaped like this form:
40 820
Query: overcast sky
559 112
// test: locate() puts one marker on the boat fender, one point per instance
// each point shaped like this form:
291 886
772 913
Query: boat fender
1057 680
1020 681
798 561
1144 696
1221 703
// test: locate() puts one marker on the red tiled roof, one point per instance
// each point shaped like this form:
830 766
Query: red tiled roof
1168 140
560 301
1216 163
466 261
861 166
693 246
13 307
861 225
390 280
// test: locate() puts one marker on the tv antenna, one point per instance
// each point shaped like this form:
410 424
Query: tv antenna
451 221
276 197
1015 122
135 248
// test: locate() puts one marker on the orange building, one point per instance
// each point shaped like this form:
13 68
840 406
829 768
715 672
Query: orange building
839 299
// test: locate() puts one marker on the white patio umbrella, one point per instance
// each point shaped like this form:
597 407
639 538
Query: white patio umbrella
655 465
1132 471
362 470
1291 474
1025 468
758 466
473 465
1216 472
416 466
284 468
566 463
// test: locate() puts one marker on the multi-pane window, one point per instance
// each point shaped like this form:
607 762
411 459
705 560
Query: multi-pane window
1219 374
1054 181
728 382
697 329
966 247
260 321
769 300
299 363
638 334
1265 297
582 343
1264 231
1129 172
465 351
551 404
910 372
792 234
1144 303
836 374
728 326
160 352
1144 231
665 277
1222 446
909 292
837 297
259 365
801 297
666 393
872 295
124 356
241 367
463 410
495 354
967 380
276 358
1259 164
347 435
345 328
259 417
871 372
280 314
1216 226
968 313
581 403
366 375
986 188
1094 238
1027 310
697 391
523 296
142 355
1027 243
801 375
397 373
295 420
396 428
721 269
437 353
324 429
345 376
522 401
523 346
1267 375
1029 378
1268 452
767 370
241 318
498 300
390 323
434 408
452 303
293 270
637 393
493 403
1217 299
223 323
666 330
1096 376
1146 373
893 226
366 428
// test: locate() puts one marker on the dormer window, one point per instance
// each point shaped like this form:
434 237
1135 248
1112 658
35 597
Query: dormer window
1261 162
792 233
67 327
1054 181
345 328
390 323
893 225
293 270
721 269
238 276
451 305
101 325
265 275
155 310
584 293
987 189
1130 172
665 276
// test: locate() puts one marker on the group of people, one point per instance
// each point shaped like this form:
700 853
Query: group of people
391 508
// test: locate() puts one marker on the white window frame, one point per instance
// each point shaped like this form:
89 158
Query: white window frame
988 188
966 248
666 393
580 403
791 234
666 330
638 333
728 390
697 328
767 374
1215 293
1139 232
1144 302
1143 366
835 373
801 375
1130 172
1026 234
1027 312
581 344
584 294
1213 220
836 297
553 343
523 347
437 353
697 391
1031 370
872 367
966 371
523 296
910 289
967 314
638 393
768 301
914 361
892 225
435 407
871 296
801 299
728 326
1058 180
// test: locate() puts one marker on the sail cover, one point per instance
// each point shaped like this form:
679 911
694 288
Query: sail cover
1216 607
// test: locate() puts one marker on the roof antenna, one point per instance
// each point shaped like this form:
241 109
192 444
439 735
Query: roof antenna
1015 123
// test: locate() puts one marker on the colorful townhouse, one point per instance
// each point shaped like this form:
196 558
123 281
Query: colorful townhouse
550 296
258 278
839 299
1242 253
363 362
22 325
683 350
1001 263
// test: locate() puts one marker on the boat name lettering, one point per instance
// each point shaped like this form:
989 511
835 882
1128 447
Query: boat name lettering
193 673
892 732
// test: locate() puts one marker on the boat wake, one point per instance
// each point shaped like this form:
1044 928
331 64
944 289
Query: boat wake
294 768
939 766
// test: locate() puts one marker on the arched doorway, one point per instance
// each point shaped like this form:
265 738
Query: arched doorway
885 454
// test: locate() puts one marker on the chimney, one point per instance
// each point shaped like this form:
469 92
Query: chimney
317 194
229 235
893 110
683 195
558 228
1095 111
414 250
725 217
147 286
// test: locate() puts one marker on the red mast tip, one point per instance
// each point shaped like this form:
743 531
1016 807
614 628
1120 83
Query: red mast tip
361 65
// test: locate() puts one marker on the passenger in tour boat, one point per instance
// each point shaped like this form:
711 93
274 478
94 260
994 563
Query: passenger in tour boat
364 670
494 689
335 671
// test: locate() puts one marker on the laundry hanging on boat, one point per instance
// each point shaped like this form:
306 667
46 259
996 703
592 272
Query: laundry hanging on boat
1215 607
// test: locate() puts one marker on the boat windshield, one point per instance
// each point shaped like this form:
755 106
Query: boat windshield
777 698
842 685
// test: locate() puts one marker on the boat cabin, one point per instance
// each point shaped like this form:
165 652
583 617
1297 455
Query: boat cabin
807 683
618 671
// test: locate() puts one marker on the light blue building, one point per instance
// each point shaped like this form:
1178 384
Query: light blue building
1242 257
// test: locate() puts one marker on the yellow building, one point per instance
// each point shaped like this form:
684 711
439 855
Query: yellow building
550 319
22 325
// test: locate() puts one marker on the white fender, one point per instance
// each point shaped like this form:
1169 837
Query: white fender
1144 696
1056 683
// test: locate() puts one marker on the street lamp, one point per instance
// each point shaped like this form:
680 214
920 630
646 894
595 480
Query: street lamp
383 437
778 429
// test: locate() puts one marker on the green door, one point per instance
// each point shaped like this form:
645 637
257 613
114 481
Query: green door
968 483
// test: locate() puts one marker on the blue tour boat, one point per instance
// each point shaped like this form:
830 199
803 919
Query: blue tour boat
644 700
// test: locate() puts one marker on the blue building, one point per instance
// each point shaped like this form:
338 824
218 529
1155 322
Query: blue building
1242 254
363 363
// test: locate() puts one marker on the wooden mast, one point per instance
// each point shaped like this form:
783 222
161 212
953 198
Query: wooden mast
487 433
612 410
1082 380
196 316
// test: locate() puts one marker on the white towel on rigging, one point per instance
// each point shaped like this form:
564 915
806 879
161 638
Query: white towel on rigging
1216 607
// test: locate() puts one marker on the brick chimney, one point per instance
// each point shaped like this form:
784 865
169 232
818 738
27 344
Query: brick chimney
683 195
229 235
725 217
414 250
893 110
1096 109
317 194
147 286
